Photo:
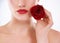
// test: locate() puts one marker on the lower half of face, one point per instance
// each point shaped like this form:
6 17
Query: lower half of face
21 8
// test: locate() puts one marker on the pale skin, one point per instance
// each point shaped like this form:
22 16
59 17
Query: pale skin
21 30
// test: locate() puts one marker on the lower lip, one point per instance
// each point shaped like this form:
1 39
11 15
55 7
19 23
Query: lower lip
22 11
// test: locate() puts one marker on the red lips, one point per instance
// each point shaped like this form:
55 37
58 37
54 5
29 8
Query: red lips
22 11
37 12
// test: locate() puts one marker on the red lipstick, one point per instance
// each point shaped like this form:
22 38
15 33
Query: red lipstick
37 12
22 11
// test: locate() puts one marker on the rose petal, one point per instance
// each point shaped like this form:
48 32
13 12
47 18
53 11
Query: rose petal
37 12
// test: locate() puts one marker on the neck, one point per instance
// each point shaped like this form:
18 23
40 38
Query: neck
20 22
16 25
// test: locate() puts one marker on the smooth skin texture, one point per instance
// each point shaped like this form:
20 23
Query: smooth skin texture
21 30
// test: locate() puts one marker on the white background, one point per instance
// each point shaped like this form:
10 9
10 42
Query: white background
51 5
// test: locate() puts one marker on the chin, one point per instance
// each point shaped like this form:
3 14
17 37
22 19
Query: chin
22 17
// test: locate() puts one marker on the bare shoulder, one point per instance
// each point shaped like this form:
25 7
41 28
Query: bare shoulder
1 33
54 36
3 30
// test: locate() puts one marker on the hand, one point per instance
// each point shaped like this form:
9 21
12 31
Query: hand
42 28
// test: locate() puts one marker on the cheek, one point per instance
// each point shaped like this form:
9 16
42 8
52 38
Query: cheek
14 3
30 3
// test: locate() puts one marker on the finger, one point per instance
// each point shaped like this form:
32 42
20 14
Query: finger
49 18
46 19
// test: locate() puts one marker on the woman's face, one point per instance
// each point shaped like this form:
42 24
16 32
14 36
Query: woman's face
22 4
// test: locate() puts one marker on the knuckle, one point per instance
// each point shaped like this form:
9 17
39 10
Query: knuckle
47 11
52 23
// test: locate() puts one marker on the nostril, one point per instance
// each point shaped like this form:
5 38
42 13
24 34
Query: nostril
21 5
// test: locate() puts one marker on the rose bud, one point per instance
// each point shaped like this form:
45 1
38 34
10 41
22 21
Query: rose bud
37 12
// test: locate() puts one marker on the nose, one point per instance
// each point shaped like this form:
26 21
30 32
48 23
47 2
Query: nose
21 3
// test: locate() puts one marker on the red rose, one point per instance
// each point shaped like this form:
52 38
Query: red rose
37 12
